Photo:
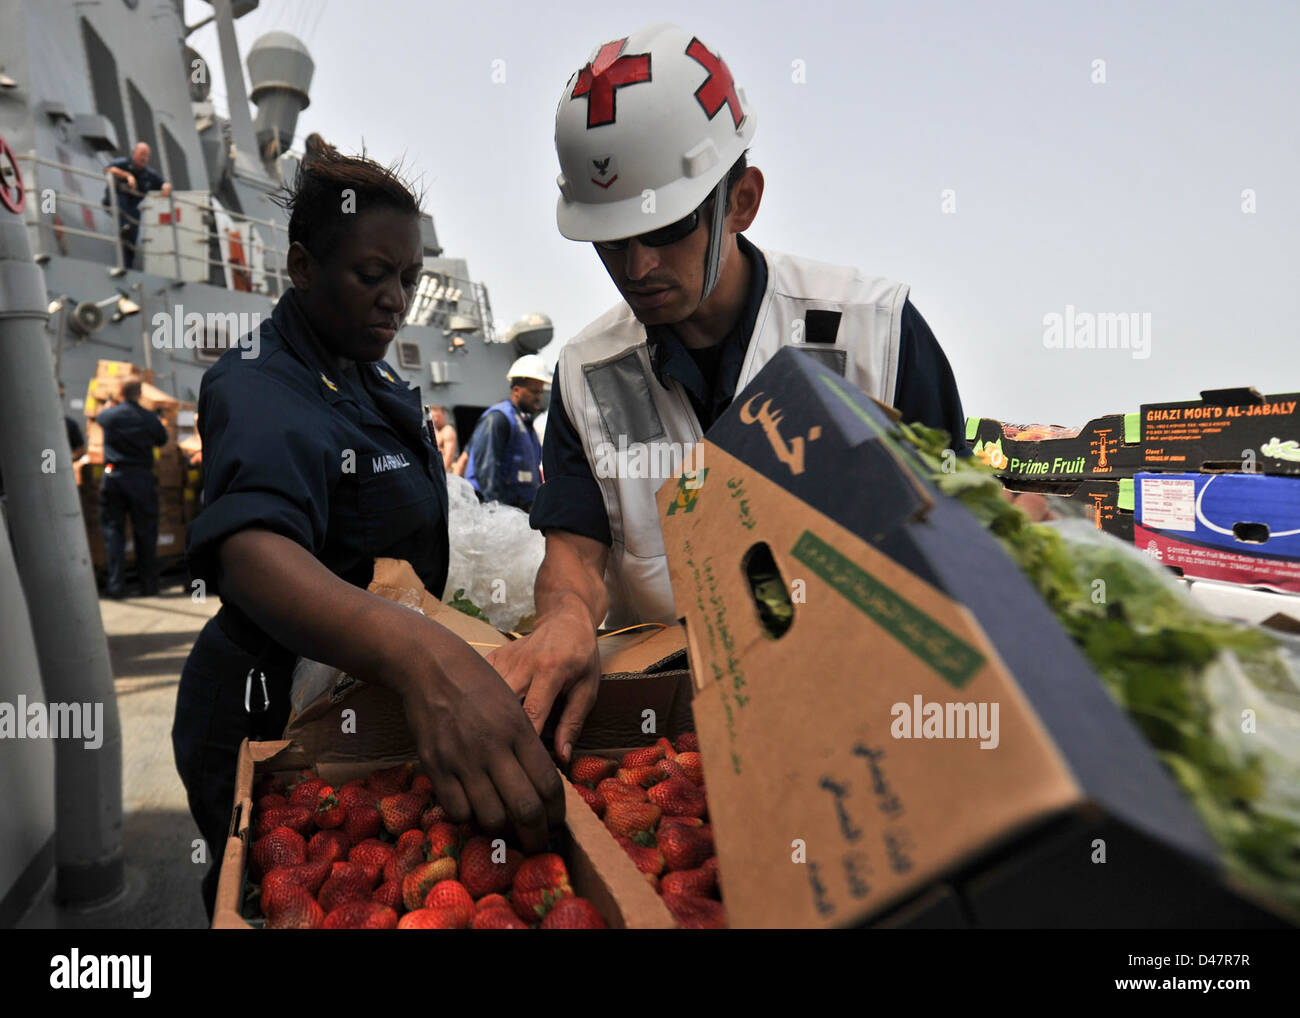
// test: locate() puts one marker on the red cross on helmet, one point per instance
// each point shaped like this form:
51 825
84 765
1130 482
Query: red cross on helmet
645 129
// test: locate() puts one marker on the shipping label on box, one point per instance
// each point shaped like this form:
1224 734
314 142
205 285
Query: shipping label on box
1237 528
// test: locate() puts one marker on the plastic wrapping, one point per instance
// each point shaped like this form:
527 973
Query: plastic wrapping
495 556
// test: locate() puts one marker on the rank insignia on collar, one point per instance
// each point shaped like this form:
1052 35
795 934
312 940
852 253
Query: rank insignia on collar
379 370
328 382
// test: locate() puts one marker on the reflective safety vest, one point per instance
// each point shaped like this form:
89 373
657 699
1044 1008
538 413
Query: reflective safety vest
518 465
634 430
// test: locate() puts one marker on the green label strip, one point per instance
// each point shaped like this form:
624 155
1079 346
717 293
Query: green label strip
940 648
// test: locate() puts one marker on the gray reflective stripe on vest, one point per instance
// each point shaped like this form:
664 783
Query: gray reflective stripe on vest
621 390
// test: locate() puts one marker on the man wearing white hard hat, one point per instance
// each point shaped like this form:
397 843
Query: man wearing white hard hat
652 134
505 454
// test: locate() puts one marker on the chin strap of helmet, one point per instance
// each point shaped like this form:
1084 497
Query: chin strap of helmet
714 251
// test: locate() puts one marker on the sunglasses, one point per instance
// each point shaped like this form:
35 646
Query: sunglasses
663 236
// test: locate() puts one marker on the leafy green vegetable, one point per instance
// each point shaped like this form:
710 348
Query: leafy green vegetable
1157 655
463 604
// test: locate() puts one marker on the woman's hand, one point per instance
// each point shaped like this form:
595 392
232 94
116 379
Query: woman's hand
473 738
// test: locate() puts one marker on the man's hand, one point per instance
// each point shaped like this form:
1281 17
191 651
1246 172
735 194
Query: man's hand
559 656
1033 504
166 188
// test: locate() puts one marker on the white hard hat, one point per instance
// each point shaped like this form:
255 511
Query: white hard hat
529 366
654 112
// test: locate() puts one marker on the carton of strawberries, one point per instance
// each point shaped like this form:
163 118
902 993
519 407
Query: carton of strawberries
376 852
653 801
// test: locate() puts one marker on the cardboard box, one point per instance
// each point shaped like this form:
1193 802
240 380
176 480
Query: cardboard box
1236 528
598 869
832 800
1104 447
1107 504
1226 429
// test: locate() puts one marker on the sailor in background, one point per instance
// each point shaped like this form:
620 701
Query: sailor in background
703 311
316 462
130 489
134 178
505 454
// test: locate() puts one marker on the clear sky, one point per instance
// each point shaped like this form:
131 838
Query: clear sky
1114 187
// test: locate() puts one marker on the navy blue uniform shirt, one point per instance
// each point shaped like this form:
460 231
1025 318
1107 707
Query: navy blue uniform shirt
290 445
146 180
130 434
570 498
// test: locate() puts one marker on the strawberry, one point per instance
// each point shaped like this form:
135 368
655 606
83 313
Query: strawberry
271 801
355 783
281 847
407 854
643 776
573 914
451 895
346 883
420 880
389 893
682 822
421 785
431 919
481 873
501 918
331 846
328 811
541 881
592 798
613 790
362 822
688 742
361 915
700 883
633 820
391 780
710 865
296 818
694 913
670 769
270 784
677 797
692 765
442 839
351 796
431 816
647 859
371 853
591 770
646 757
684 848
293 908
492 901
401 812
667 747
308 875
305 794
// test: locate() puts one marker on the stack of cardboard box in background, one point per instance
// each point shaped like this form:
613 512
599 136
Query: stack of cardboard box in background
1210 487
177 480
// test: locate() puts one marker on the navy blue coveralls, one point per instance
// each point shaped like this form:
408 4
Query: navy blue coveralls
129 487
128 203
339 462
505 457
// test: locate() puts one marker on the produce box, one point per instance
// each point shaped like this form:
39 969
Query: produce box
1237 528
1107 504
598 869
1226 429
1104 447
886 706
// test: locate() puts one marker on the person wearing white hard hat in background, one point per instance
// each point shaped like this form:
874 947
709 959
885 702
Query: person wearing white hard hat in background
652 134
505 454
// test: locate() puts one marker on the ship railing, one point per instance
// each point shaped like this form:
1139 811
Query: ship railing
30 165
